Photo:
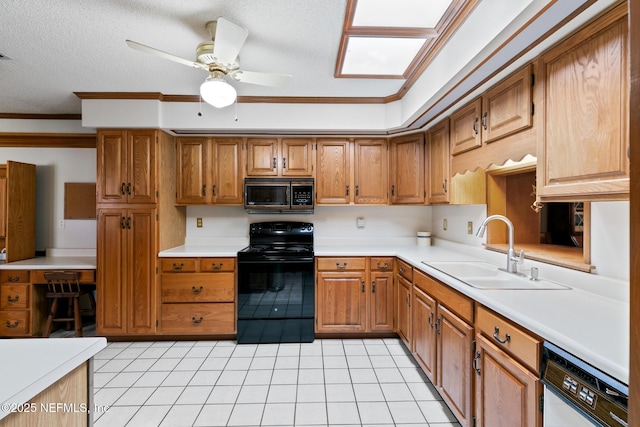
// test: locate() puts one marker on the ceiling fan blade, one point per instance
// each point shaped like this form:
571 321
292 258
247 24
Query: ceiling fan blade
264 79
165 55
228 41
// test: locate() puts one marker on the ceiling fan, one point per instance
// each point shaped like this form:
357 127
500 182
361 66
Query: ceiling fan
220 58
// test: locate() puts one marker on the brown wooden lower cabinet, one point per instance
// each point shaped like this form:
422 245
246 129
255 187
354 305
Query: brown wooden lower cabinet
198 318
403 307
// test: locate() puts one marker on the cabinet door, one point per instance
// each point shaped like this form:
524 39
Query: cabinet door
20 239
262 156
404 310
141 166
192 171
381 302
341 302
455 340
438 163
141 270
297 157
371 171
227 173
3 206
111 272
465 128
424 332
506 108
111 169
506 393
584 150
407 170
332 177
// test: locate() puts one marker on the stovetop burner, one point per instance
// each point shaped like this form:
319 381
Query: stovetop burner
282 239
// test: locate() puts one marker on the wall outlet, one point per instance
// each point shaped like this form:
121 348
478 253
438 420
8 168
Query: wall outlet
445 224
469 227
360 222
61 223
199 222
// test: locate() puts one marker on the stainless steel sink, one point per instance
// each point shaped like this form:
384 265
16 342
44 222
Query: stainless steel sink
483 275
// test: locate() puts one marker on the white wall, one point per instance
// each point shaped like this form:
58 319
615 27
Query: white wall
54 167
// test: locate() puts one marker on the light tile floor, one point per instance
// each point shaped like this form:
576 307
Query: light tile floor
371 382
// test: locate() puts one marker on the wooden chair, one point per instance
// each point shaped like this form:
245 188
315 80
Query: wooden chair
63 284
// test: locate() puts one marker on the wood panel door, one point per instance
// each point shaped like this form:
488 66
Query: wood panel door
297 157
506 393
141 166
341 302
332 177
3 205
192 161
438 163
262 156
403 310
111 172
371 171
20 239
424 332
465 128
227 171
583 154
111 271
382 302
407 169
455 341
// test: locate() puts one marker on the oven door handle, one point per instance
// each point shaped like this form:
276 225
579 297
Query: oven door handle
276 259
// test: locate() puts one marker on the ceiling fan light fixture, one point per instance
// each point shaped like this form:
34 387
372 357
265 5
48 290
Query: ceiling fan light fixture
217 92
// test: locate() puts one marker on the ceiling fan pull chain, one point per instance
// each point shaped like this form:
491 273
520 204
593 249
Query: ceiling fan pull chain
236 107
200 106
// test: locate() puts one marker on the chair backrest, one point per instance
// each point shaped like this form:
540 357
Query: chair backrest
63 282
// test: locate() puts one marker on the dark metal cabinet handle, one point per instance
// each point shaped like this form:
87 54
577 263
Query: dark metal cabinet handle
217 266
13 299
381 266
430 320
12 325
475 126
274 162
129 222
373 286
196 290
341 267
357 190
475 363
213 190
204 190
284 163
438 323
122 189
402 270
393 190
13 278
178 267
197 321
444 185
347 190
362 286
484 120
122 220
128 188
496 336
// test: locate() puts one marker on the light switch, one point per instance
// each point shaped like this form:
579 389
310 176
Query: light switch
445 224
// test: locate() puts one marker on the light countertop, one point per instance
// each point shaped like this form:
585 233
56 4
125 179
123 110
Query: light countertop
29 366
53 262
589 320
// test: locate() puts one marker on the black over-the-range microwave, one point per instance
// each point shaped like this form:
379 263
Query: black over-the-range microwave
278 195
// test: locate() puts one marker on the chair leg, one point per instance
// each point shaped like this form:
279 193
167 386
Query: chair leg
77 316
52 312
92 302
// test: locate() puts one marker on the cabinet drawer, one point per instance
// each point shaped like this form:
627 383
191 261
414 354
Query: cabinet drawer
198 287
178 265
14 323
198 318
86 276
520 343
14 297
14 276
405 270
217 264
332 264
450 298
381 264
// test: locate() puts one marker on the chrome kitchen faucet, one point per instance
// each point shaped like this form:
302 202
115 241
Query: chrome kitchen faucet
512 259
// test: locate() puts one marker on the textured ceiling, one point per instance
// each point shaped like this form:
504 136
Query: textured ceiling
63 46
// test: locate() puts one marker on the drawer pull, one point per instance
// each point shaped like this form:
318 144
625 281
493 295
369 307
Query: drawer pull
13 278
178 267
341 267
402 270
14 325
196 291
197 321
385 265
496 333
475 363
217 266
13 299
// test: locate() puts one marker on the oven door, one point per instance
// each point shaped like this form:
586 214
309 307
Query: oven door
266 195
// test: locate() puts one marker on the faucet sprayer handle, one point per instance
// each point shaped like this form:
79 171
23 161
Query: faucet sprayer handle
520 258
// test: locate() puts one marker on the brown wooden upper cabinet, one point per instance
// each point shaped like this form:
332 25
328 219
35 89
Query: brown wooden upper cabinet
333 185
371 171
438 163
18 210
407 169
279 157
209 171
501 111
583 153
126 166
